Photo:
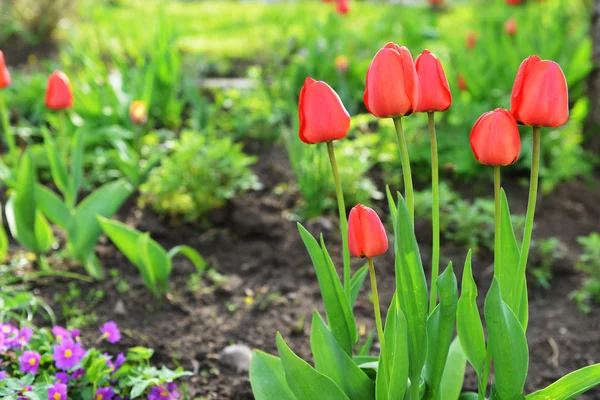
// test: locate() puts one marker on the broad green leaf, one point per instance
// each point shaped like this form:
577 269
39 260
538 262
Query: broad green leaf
18 229
508 263
396 341
337 307
468 321
267 378
332 361
468 396
570 386
76 165
155 257
306 382
83 228
58 167
52 206
43 232
190 253
3 240
507 342
440 327
411 288
454 372
356 283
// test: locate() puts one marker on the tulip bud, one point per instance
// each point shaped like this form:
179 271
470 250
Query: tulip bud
138 112
510 27
495 138
4 74
341 64
461 82
471 39
322 115
435 91
540 96
58 93
392 87
343 7
366 234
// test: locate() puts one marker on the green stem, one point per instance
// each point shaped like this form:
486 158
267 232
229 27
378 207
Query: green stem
408 184
10 139
378 319
533 189
63 135
343 218
435 213
498 217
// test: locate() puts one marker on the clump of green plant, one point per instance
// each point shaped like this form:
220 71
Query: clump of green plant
589 264
549 251
200 175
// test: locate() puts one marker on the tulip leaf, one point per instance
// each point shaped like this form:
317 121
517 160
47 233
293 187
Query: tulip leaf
570 386
332 361
58 169
440 327
155 257
411 288
337 307
507 265
306 382
267 378
454 372
508 344
76 165
3 240
468 321
191 254
52 206
356 283
43 232
396 350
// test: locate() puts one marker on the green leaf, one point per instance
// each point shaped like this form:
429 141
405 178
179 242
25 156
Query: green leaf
58 168
332 361
468 321
337 307
304 381
396 351
454 372
3 239
190 253
508 263
83 228
365 349
468 396
571 385
154 257
356 283
267 378
52 206
43 232
507 342
440 327
76 165
411 288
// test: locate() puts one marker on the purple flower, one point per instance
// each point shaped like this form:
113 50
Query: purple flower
109 362
162 393
110 332
57 392
2 375
119 361
104 393
7 330
75 333
62 377
9 336
23 391
25 335
29 362
67 354
78 373
61 333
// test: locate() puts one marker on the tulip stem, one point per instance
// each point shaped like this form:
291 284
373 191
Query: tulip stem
63 134
408 184
343 218
378 318
435 213
10 139
533 189
498 217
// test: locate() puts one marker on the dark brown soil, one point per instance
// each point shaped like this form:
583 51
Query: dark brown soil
272 285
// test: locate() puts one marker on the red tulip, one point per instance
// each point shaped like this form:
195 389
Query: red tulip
461 82
471 39
343 7
4 74
514 2
58 93
366 234
322 115
540 96
435 92
392 87
138 112
495 138
510 27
